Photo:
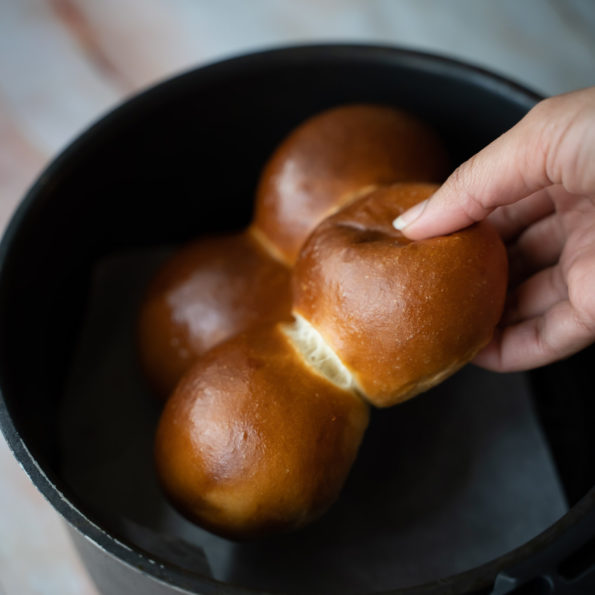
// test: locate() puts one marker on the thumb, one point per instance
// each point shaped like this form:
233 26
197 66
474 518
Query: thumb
510 168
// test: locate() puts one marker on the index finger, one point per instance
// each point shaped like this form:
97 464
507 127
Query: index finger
515 165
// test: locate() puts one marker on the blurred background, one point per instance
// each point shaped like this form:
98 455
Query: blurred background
64 63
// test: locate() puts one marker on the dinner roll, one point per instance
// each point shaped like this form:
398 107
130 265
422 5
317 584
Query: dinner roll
401 315
206 292
254 440
335 157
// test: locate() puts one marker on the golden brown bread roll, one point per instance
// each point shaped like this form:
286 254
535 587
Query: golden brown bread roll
253 441
217 287
401 315
335 157
208 291
260 433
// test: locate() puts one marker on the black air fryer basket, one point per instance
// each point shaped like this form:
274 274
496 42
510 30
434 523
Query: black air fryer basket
446 495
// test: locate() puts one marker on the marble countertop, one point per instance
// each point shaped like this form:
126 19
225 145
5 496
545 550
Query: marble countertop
64 63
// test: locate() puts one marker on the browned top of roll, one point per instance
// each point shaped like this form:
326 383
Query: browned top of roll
206 292
401 315
334 157
253 441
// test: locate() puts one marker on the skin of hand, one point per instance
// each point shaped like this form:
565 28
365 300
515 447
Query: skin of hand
536 184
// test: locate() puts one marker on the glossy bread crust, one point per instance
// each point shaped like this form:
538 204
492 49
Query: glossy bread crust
335 157
206 292
402 315
255 442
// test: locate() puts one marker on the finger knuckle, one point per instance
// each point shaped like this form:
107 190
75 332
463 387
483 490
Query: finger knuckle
465 180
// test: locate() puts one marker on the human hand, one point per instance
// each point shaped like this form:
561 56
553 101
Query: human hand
536 184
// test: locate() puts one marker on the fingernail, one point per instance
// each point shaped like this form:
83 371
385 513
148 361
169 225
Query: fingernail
409 216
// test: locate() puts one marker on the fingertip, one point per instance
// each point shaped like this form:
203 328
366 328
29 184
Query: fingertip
406 219
490 357
430 218
400 223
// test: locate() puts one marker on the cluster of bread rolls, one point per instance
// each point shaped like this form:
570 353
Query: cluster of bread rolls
260 432
218 286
